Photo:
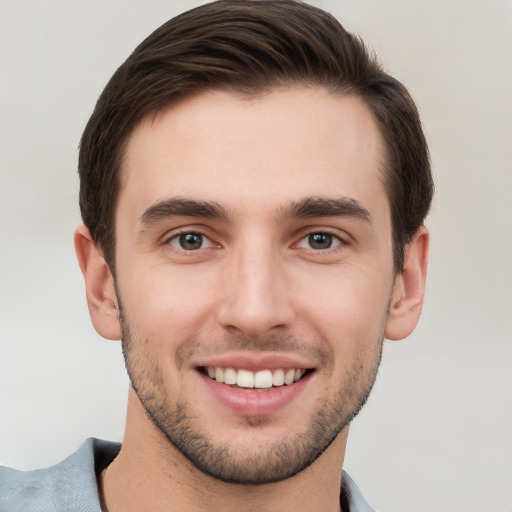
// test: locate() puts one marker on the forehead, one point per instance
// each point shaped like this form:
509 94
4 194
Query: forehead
284 145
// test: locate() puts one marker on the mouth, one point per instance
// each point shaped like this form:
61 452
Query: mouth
261 380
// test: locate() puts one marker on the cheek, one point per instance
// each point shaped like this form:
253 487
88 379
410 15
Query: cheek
346 303
164 305
348 315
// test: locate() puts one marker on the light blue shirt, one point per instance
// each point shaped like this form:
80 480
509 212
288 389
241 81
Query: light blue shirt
71 486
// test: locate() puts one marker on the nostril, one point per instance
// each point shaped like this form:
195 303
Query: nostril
253 323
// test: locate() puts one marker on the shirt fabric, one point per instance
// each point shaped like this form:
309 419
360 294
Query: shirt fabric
71 485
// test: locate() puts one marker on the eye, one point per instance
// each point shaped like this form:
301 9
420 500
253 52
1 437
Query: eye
190 241
319 241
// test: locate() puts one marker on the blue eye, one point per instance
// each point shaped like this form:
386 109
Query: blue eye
319 241
188 241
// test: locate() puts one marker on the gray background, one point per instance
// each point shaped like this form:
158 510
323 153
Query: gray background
436 434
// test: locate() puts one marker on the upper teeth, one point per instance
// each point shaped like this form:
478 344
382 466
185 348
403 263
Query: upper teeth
261 379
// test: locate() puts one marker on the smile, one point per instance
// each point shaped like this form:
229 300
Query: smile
256 387
262 379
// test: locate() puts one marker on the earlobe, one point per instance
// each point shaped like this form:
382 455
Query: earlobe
99 285
409 288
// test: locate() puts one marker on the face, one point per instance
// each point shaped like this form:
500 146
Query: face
254 274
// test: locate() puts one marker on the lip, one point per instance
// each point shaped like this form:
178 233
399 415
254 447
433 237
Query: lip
256 361
253 402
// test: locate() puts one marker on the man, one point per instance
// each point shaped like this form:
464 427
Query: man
253 190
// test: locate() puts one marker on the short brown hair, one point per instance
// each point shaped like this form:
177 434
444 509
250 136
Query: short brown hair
251 47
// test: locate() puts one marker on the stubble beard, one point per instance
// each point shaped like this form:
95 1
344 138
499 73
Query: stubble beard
236 464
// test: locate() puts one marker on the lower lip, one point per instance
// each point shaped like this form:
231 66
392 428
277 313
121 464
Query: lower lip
253 402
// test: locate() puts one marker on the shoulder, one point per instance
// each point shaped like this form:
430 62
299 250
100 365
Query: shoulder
352 498
68 486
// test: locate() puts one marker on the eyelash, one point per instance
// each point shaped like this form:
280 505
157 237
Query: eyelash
177 237
334 240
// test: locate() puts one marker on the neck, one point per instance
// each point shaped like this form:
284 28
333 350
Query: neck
151 474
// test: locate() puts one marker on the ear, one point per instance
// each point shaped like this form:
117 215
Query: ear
409 288
99 286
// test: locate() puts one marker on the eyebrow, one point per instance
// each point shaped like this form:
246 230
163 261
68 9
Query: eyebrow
307 208
176 207
326 207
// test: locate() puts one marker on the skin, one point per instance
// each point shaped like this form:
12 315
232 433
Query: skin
256 288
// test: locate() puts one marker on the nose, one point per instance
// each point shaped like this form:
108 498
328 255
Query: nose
255 295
